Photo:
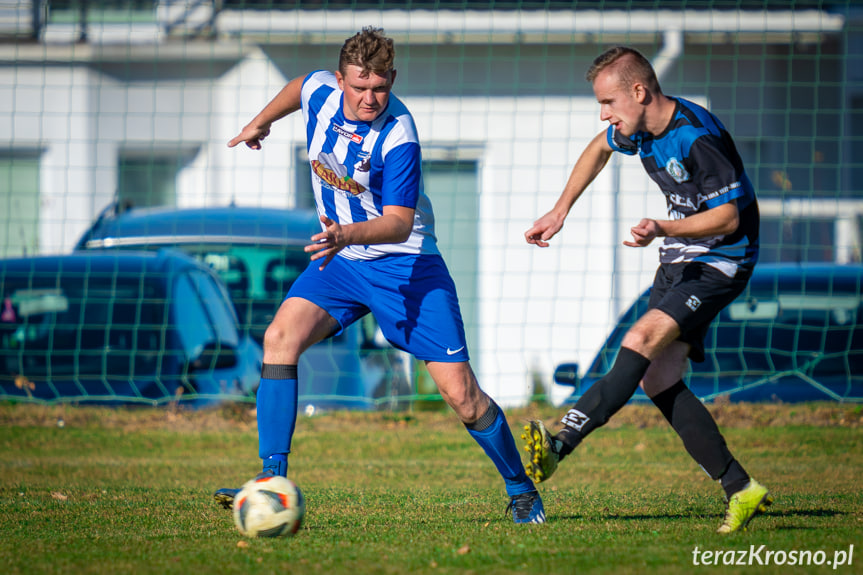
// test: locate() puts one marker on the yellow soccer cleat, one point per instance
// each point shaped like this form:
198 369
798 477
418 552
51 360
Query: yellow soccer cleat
542 451
744 506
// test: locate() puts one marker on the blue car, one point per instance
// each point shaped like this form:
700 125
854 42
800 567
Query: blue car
795 334
258 253
121 327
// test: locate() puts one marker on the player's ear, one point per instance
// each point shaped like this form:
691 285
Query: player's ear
340 80
392 76
639 92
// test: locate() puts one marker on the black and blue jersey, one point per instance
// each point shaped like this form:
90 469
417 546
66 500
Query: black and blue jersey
696 165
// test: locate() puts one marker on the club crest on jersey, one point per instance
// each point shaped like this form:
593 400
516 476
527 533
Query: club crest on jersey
364 162
355 138
328 169
676 170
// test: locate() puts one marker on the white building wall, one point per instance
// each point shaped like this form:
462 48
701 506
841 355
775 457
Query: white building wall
263 177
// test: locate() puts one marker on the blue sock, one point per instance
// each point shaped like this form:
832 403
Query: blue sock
277 415
276 464
494 436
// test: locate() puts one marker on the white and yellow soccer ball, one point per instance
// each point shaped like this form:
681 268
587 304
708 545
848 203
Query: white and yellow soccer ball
269 506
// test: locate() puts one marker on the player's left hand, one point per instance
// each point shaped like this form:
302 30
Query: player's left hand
643 233
327 243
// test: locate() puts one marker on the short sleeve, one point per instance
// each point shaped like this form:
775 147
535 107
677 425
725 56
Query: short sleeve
402 176
715 174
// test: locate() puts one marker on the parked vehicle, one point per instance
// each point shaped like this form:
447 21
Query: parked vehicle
258 253
795 334
130 327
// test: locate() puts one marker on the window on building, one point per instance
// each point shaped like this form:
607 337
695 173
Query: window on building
149 177
452 186
19 203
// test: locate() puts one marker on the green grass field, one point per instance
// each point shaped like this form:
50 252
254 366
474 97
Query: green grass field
118 491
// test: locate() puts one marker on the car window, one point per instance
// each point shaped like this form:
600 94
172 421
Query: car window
80 324
230 268
812 332
281 272
257 277
220 313
190 318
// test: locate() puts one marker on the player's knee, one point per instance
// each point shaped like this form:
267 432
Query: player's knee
468 406
638 338
455 398
651 334
277 337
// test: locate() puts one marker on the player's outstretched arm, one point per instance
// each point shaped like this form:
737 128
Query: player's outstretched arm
594 157
286 102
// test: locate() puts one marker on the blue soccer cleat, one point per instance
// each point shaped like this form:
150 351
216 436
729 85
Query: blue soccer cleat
527 508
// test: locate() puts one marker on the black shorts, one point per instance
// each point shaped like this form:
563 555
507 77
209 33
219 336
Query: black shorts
694 293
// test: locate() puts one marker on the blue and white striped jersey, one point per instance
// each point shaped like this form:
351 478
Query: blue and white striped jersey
696 165
360 167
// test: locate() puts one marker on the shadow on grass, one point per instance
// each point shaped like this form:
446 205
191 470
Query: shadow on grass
772 512
804 513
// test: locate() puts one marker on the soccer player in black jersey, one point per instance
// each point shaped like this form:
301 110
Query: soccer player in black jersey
709 251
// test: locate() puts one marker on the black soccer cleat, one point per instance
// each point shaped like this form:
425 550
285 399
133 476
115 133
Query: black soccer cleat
225 497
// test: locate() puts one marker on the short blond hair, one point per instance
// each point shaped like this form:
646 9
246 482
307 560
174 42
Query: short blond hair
631 67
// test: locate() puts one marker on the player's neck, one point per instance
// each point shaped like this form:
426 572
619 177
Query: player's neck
660 116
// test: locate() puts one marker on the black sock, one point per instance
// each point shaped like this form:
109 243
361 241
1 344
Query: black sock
603 399
701 437
734 479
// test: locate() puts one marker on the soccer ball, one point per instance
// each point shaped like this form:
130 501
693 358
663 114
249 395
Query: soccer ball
269 506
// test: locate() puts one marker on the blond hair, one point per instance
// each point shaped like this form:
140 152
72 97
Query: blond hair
370 50
631 67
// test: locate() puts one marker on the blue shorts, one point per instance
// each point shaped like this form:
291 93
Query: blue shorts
412 297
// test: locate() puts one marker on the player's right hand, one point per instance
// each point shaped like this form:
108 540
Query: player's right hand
543 230
327 243
252 136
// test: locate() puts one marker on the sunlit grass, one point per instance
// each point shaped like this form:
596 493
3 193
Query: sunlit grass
130 492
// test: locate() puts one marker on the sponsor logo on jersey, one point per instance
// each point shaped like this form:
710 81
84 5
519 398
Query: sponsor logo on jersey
327 168
699 199
355 138
676 170
683 201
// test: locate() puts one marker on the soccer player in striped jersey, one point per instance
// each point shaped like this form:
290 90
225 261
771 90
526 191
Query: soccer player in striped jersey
710 249
376 252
